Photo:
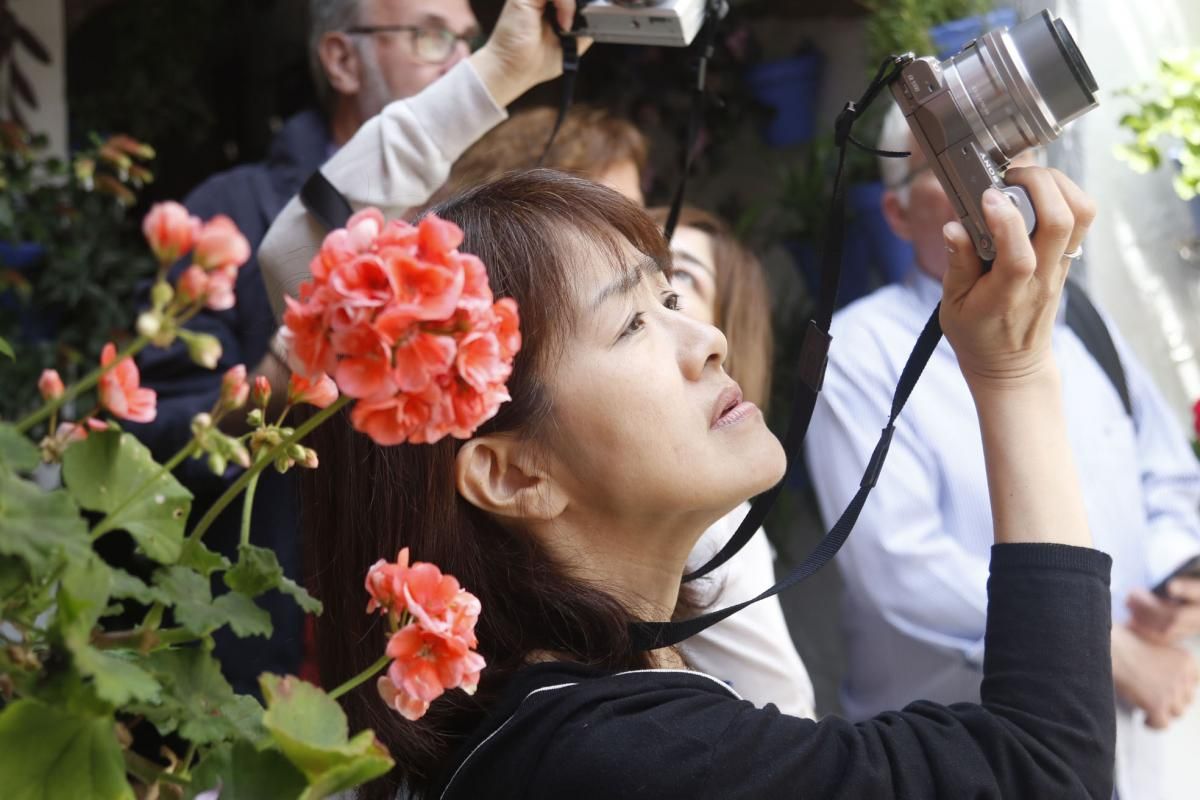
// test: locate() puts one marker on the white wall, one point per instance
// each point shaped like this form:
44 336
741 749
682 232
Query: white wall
44 18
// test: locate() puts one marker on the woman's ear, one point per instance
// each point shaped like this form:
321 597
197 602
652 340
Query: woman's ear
496 474
339 59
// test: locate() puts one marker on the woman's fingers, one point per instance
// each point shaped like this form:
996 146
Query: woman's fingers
1083 208
1016 258
964 269
1055 220
566 13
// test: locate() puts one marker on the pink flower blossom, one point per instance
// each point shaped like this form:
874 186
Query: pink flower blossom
170 230
50 385
319 391
120 390
220 244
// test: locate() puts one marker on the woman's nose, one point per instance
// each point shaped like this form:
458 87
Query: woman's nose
703 346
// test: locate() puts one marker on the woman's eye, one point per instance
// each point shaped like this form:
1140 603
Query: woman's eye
682 278
671 301
635 325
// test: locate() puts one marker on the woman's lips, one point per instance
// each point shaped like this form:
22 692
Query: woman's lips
735 415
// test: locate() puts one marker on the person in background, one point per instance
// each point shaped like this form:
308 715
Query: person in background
916 566
363 55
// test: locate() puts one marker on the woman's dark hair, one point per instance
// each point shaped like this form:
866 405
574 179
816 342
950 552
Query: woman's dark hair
742 303
367 501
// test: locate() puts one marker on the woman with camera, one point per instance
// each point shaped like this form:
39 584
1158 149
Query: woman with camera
572 512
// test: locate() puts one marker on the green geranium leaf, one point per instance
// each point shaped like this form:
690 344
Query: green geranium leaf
117 679
16 450
298 593
50 752
244 773
258 570
199 701
246 618
189 593
109 473
134 588
311 730
6 349
38 526
82 597
198 557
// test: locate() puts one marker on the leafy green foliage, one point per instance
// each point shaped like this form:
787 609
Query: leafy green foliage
311 730
900 26
244 773
1167 116
42 528
113 473
92 260
51 752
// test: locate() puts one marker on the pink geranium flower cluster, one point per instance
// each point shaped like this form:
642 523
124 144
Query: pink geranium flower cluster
408 326
220 250
433 644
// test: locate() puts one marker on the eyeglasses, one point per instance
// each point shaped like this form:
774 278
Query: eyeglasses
431 45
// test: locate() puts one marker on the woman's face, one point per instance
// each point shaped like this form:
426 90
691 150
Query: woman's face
645 422
695 273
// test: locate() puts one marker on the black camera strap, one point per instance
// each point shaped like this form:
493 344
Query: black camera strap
814 356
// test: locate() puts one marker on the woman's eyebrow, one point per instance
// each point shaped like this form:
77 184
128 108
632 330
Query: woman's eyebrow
681 255
627 282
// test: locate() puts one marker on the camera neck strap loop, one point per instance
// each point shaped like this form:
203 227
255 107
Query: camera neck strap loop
814 354
570 76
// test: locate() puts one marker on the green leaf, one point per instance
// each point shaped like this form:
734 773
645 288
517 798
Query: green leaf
82 596
246 618
16 450
117 679
256 571
109 472
298 593
6 349
130 586
49 752
198 557
311 730
199 702
38 526
244 773
189 593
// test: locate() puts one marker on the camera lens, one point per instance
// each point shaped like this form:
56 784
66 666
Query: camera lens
1016 88
1046 47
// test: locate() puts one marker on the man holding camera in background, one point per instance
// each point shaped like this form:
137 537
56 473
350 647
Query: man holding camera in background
363 55
916 566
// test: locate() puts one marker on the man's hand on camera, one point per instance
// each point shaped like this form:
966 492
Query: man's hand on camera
1160 679
1167 620
523 50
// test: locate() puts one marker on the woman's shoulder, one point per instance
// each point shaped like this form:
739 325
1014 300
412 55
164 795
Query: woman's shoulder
565 727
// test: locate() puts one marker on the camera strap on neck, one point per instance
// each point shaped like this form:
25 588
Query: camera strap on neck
814 356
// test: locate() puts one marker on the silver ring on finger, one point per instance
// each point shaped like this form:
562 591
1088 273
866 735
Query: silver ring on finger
1074 254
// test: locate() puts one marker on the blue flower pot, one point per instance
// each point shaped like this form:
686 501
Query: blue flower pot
789 87
949 37
20 255
888 253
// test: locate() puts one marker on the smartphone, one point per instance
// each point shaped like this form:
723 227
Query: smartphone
1190 569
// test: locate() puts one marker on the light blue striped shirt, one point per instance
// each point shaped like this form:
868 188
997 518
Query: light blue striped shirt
916 566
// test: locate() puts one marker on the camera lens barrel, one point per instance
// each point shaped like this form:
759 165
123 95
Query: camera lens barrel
1017 88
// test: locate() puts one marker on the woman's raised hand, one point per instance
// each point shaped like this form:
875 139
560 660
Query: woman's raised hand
524 50
999 322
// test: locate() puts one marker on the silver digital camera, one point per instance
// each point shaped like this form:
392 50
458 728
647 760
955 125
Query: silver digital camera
1003 93
662 23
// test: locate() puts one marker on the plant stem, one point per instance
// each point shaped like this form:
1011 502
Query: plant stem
84 383
361 677
105 525
259 465
247 507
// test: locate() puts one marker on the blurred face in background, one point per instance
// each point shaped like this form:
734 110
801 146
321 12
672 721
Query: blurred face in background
396 64
918 209
694 276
